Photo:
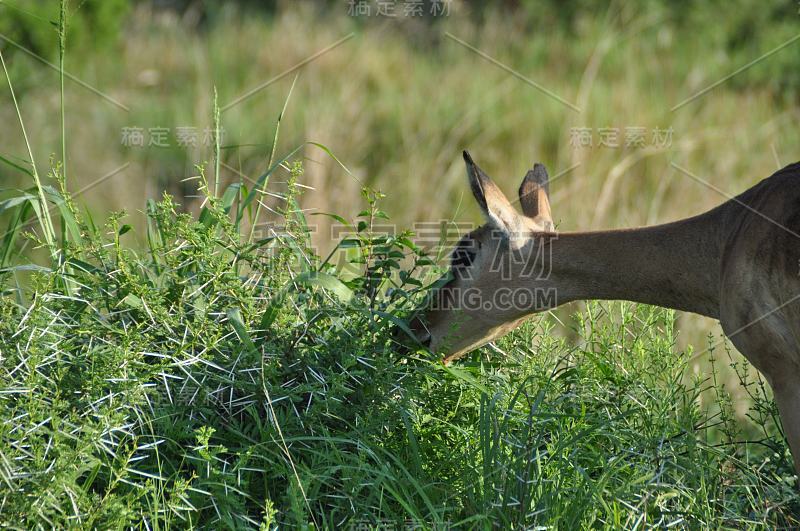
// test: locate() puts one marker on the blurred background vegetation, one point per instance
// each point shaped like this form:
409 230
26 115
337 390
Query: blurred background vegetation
406 87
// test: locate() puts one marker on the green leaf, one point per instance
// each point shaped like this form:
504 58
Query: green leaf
329 282
16 201
235 317
28 267
132 301
16 166
271 313
330 154
400 323
261 183
230 196
340 219
15 225
460 374
83 266
57 199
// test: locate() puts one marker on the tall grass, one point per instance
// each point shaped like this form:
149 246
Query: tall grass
216 382
224 377
399 100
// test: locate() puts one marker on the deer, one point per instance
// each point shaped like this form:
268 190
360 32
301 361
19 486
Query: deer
738 263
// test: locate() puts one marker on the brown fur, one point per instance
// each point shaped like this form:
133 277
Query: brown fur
739 263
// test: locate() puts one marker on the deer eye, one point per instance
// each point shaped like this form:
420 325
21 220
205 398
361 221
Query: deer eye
464 253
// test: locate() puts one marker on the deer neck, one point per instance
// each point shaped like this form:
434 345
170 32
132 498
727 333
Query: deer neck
675 265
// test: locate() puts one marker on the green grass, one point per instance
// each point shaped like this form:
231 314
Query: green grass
212 381
187 370
399 100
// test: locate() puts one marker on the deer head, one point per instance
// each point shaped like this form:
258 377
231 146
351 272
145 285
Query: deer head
703 264
491 285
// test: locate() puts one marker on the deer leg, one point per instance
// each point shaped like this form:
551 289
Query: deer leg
787 397
770 344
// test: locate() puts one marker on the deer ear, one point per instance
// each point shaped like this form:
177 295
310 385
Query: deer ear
534 195
495 207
